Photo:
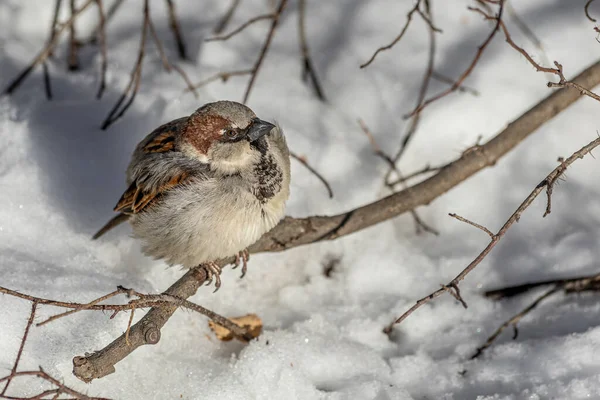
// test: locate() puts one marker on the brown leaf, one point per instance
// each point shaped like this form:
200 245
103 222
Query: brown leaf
251 322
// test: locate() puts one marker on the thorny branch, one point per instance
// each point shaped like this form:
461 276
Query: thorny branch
558 71
547 184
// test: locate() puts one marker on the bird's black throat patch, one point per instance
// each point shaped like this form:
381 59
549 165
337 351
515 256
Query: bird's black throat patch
269 176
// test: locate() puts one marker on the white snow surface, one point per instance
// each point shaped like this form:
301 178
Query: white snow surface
60 176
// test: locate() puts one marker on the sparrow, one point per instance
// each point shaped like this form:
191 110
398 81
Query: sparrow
205 187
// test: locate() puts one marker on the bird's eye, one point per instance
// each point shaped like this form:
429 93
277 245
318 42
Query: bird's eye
230 133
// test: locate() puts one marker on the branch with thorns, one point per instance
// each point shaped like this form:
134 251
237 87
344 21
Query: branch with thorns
547 184
558 71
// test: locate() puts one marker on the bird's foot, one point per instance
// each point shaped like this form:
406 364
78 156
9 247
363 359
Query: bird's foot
213 270
243 255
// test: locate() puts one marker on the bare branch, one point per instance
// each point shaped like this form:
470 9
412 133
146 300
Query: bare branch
461 88
222 76
61 388
21 346
514 321
471 66
265 48
134 82
303 161
241 28
587 11
103 48
227 17
495 238
481 227
174 24
420 225
165 60
558 71
402 32
308 70
47 50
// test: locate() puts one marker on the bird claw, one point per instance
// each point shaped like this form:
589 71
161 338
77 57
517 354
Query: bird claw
244 255
213 270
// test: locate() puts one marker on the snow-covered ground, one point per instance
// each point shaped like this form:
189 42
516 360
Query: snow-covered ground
60 176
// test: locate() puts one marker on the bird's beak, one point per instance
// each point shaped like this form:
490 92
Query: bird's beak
258 129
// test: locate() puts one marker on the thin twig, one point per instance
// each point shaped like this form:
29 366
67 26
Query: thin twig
425 170
240 28
47 82
61 388
401 34
420 225
103 48
471 66
227 17
134 82
222 76
110 13
569 283
514 321
265 48
21 346
587 11
416 117
166 63
174 24
73 59
308 69
46 51
449 81
476 225
303 161
547 182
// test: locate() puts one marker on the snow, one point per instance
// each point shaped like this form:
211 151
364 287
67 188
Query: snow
60 175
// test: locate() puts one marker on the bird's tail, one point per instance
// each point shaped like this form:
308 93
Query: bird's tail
117 220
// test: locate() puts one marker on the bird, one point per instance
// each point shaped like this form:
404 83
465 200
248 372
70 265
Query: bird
205 187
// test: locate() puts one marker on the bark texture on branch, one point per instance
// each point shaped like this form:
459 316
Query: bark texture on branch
293 232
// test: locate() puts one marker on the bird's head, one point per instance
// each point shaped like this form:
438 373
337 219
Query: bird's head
226 135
